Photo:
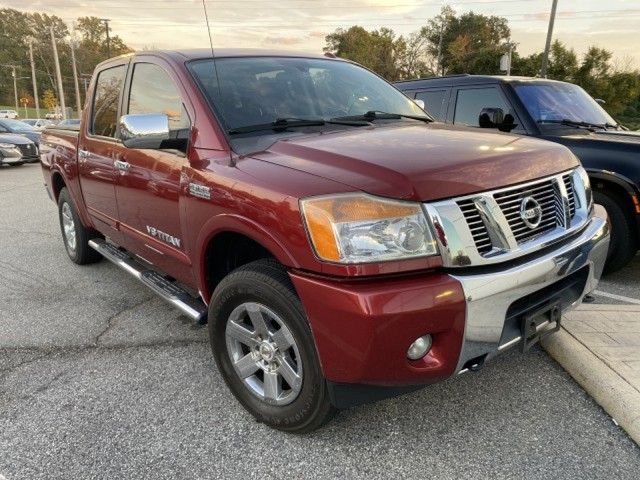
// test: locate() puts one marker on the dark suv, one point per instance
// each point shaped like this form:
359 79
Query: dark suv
556 111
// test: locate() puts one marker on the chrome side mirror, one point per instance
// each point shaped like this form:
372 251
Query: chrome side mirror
420 103
147 130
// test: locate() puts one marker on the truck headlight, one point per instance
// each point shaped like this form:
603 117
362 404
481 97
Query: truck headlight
584 178
360 228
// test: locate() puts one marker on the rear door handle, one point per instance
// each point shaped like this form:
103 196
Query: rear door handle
122 166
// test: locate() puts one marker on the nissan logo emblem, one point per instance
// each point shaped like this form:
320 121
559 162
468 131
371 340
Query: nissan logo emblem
530 212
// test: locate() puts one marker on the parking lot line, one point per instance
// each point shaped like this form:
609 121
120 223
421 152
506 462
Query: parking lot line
622 298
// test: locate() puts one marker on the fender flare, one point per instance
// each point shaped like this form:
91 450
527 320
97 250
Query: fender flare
629 186
231 223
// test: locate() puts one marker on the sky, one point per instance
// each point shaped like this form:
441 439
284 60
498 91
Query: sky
301 25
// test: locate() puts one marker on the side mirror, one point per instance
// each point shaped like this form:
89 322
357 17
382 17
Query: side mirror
147 130
420 103
495 118
491 117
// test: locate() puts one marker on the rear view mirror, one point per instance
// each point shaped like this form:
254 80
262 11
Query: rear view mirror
420 103
148 130
495 118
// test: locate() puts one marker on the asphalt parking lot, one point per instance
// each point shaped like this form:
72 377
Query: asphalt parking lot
100 379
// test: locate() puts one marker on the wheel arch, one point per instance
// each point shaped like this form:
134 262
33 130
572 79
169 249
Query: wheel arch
230 242
605 181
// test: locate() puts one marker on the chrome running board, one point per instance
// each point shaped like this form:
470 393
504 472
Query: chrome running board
192 307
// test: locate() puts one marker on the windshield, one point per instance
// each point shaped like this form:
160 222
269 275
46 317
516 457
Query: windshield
17 126
555 102
261 90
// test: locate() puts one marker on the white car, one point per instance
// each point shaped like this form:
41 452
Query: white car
8 114
38 123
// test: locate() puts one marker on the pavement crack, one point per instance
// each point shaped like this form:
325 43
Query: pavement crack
6 371
112 320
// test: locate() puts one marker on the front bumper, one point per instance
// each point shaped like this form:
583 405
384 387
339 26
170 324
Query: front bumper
363 329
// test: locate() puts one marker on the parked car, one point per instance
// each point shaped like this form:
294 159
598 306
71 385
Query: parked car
71 123
342 247
8 114
9 154
53 116
20 128
556 111
28 149
38 123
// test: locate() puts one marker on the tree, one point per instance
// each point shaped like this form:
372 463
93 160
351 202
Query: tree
471 43
49 100
18 29
378 50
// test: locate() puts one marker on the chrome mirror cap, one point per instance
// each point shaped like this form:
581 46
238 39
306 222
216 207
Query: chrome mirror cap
146 130
420 103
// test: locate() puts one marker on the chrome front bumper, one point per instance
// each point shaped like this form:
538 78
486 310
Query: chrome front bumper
490 295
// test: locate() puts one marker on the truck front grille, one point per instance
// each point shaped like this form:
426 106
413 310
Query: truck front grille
548 197
503 224
476 225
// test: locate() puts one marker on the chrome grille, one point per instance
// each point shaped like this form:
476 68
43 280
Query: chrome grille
491 227
571 194
476 225
546 194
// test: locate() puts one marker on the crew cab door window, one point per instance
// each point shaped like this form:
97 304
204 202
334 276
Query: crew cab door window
471 101
153 91
435 102
104 117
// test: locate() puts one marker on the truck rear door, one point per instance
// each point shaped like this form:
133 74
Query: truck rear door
97 146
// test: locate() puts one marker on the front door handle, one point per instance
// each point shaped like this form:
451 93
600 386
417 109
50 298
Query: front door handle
83 153
122 166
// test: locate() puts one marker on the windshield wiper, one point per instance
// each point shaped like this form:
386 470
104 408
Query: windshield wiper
281 124
576 123
372 115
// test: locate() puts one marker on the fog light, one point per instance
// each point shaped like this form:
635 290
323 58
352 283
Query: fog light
419 348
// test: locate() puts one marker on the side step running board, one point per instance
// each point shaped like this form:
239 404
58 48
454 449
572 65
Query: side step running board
192 307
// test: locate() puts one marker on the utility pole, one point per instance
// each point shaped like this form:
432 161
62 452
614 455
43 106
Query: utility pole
58 74
75 77
106 26
439 71
547 47
15 85
33 79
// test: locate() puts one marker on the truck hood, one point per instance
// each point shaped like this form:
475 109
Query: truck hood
420 162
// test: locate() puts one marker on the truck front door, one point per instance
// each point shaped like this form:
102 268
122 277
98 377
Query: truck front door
148 185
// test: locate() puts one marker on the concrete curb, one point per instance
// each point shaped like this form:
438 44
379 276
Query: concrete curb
590 307
609 390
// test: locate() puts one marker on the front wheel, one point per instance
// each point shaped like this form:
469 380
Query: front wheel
264 348
623 244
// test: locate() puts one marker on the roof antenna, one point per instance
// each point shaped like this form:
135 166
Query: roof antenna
213 53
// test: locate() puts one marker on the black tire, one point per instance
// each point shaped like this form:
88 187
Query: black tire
624 244
81 253
267 283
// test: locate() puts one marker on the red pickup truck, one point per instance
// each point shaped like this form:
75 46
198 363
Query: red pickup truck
341 245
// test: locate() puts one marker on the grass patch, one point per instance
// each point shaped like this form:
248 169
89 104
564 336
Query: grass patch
632 123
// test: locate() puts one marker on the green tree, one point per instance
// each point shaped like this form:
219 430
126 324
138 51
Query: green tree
471 42
378 50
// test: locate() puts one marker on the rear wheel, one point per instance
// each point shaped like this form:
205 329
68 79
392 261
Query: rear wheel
76 237
264 348
623 244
